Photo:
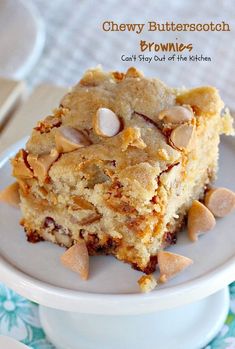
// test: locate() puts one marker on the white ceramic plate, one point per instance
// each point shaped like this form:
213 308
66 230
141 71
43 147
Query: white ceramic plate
34 270
21 36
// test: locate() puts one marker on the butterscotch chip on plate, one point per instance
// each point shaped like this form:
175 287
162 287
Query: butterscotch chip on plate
133 156
220 201
76 258
11 195
200 220
170 264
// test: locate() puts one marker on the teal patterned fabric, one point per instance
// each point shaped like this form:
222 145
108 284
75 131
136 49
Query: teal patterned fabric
226 337
19 319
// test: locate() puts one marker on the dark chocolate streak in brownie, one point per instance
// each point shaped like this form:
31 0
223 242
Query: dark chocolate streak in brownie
33 236
150 268
95 247
151 121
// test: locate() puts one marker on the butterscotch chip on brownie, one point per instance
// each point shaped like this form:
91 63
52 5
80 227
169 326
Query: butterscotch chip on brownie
182 136
68 139
106 123
134 154
40 164
21 167
177 114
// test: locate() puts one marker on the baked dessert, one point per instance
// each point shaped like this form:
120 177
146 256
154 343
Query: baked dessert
118 165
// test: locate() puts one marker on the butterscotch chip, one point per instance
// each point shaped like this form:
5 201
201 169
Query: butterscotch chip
182 136
131 136
170 264
76 258
200 220
10 195
220 201
41 164
21 167
68 139
106 123
24 187
176 115
147 283
134 73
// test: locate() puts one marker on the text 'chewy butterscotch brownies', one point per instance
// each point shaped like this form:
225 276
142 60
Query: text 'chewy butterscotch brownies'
119 164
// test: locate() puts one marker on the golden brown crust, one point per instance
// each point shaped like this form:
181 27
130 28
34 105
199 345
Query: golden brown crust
204 99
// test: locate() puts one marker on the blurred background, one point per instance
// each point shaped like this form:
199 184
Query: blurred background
74 40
